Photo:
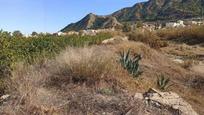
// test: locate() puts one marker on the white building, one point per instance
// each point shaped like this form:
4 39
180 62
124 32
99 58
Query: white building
179 23
61 34
72 33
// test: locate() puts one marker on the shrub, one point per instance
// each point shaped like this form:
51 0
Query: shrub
162 82
126 27
139 24
187 64
2 86
14 49
147 37
106 91
190 35
33 49
131 64
17 34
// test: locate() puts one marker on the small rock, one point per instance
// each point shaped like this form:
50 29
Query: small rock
115 39
169 100
138 96
4 97
178 61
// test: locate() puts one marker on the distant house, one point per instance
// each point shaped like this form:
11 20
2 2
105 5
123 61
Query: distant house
91 32
193 22
88 32
72 33
200 23
61 33
196 22
171 25
179 23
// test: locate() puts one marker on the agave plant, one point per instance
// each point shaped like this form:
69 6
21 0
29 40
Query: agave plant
163 82
131 64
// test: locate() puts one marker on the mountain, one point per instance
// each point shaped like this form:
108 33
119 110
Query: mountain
161 10
144 11
92 21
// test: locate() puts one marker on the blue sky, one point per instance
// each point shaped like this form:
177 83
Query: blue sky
52 15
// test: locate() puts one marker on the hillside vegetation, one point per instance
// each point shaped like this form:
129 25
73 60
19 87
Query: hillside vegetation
190 35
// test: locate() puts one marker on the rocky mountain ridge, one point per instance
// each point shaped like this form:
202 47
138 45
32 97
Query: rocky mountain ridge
151 10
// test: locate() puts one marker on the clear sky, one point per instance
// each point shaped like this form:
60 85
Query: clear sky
52 15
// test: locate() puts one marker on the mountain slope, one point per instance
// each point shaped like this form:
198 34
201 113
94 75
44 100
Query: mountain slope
145 11
92 21
161 10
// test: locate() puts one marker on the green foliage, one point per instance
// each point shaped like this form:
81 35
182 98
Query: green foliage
131 64
139 24
17 34
147 37
106 91
31 50
15 49
162 82
2 86
34 34
127 27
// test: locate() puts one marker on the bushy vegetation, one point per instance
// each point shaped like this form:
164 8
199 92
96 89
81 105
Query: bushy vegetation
147 37
131 64
163 82
190 35
126 27
157 39
16 48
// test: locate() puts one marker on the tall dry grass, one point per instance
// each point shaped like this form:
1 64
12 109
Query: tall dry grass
32 87
147 37
85 65
191 35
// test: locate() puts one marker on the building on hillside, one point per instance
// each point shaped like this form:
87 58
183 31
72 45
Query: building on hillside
72 33
88 32
61 33
94 32
194 22
179 23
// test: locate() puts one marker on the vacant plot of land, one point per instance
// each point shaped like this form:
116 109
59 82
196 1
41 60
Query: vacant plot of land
91 80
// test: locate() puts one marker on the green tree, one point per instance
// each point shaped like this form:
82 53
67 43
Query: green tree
139 24
17 34
5 34
127 27
34 34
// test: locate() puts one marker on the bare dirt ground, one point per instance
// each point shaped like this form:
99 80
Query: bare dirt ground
198 68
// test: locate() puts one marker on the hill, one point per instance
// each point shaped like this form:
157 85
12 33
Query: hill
92 21
144 11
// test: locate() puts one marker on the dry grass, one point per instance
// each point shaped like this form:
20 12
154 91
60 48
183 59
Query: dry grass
116 33
155 63
191 35
74 82
89 68
147 37
187 64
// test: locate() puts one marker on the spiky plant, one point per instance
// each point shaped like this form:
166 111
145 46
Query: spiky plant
131 64
163 82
